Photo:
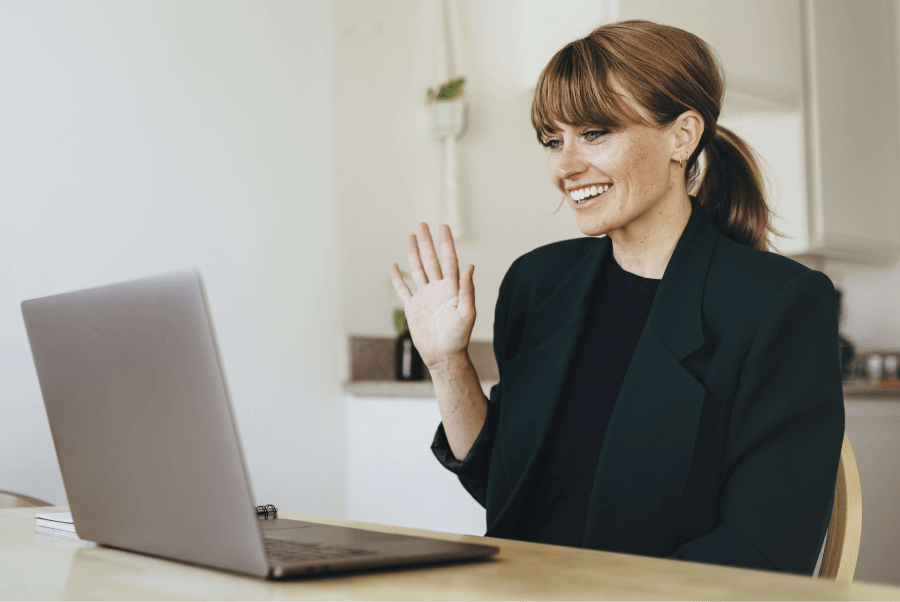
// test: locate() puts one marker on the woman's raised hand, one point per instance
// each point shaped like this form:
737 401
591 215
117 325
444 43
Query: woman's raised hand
441 313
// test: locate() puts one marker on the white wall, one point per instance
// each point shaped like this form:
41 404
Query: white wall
143 137
387 164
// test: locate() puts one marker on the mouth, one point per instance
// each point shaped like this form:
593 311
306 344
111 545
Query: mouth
583 195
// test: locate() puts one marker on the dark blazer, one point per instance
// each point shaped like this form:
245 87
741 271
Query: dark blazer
724 443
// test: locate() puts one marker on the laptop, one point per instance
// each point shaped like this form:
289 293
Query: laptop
148 445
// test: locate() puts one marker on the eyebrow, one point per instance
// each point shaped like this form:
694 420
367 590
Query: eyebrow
606 128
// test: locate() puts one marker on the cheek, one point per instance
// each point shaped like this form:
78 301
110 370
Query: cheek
634 159
639 165
552 171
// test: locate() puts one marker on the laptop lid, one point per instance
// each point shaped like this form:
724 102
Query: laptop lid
142 421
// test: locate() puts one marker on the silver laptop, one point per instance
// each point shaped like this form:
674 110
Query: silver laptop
148 446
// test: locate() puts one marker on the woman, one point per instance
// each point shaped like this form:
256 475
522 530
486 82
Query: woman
671 389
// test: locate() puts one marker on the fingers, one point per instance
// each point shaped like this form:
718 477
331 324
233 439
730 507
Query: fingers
423 260
415 264
399 284
448 251
467 291
429 257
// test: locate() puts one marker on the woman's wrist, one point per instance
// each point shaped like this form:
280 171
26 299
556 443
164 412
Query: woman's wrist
451 365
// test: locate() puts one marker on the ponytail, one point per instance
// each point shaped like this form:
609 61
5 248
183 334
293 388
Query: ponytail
732 190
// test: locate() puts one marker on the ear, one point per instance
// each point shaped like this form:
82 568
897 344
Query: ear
687 130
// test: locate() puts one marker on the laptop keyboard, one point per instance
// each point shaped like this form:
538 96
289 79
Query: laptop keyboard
286 552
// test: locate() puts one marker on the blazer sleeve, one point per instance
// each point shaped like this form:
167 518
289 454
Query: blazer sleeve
473 469
784 438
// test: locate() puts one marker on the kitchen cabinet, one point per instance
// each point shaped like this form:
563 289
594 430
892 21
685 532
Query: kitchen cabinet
851 109
777 138
758 43
812 86
873 427
392 475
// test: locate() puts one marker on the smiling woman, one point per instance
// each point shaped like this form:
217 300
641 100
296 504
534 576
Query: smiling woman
640 102
670 389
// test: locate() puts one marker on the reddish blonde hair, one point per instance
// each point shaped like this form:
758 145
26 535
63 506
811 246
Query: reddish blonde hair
667 71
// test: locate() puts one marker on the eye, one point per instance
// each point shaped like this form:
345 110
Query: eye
594 135
551 144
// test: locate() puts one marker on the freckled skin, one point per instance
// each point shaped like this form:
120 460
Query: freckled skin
646 210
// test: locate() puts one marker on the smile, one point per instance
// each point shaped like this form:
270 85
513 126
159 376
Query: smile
581 195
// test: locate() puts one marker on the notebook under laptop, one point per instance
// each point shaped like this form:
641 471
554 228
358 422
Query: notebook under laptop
149 449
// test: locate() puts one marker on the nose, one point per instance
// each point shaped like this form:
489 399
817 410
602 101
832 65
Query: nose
569 162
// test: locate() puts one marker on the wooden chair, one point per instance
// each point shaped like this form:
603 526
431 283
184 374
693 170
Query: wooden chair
842 540
9 499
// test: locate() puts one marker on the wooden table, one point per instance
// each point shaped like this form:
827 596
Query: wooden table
38 566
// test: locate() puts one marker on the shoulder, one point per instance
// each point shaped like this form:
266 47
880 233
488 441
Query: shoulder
752 269
745 281
537 273
555 258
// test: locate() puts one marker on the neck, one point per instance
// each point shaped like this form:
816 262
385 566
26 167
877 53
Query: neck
645 248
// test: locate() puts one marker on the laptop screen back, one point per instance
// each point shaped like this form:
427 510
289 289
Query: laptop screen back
143 426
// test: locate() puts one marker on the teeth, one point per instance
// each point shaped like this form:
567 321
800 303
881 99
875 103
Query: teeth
579 195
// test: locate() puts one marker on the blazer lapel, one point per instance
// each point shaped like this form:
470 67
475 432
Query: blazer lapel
649 442
536 376
648 447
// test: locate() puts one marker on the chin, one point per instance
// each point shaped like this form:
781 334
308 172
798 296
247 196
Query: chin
592 229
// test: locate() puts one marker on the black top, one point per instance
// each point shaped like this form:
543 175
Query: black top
556 508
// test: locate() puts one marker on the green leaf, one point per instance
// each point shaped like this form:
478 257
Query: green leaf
400 320
451 89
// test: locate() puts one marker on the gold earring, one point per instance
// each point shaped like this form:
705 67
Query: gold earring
681 163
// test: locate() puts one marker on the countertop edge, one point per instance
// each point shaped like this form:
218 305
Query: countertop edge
393 388
425 388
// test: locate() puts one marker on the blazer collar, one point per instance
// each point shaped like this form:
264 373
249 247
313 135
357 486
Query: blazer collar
641 495
675 313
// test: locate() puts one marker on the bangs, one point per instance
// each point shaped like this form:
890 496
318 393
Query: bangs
574 88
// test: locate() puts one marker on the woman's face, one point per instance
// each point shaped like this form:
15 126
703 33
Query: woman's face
633 165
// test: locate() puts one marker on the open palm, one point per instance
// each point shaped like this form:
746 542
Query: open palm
441 313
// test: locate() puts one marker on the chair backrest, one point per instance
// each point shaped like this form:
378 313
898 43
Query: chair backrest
842 540
8 499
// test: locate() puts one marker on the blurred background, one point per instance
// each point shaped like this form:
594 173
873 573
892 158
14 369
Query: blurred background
287 149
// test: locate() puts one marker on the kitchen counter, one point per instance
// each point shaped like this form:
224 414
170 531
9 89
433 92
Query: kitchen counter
864 389
394 388
372 372
425 388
